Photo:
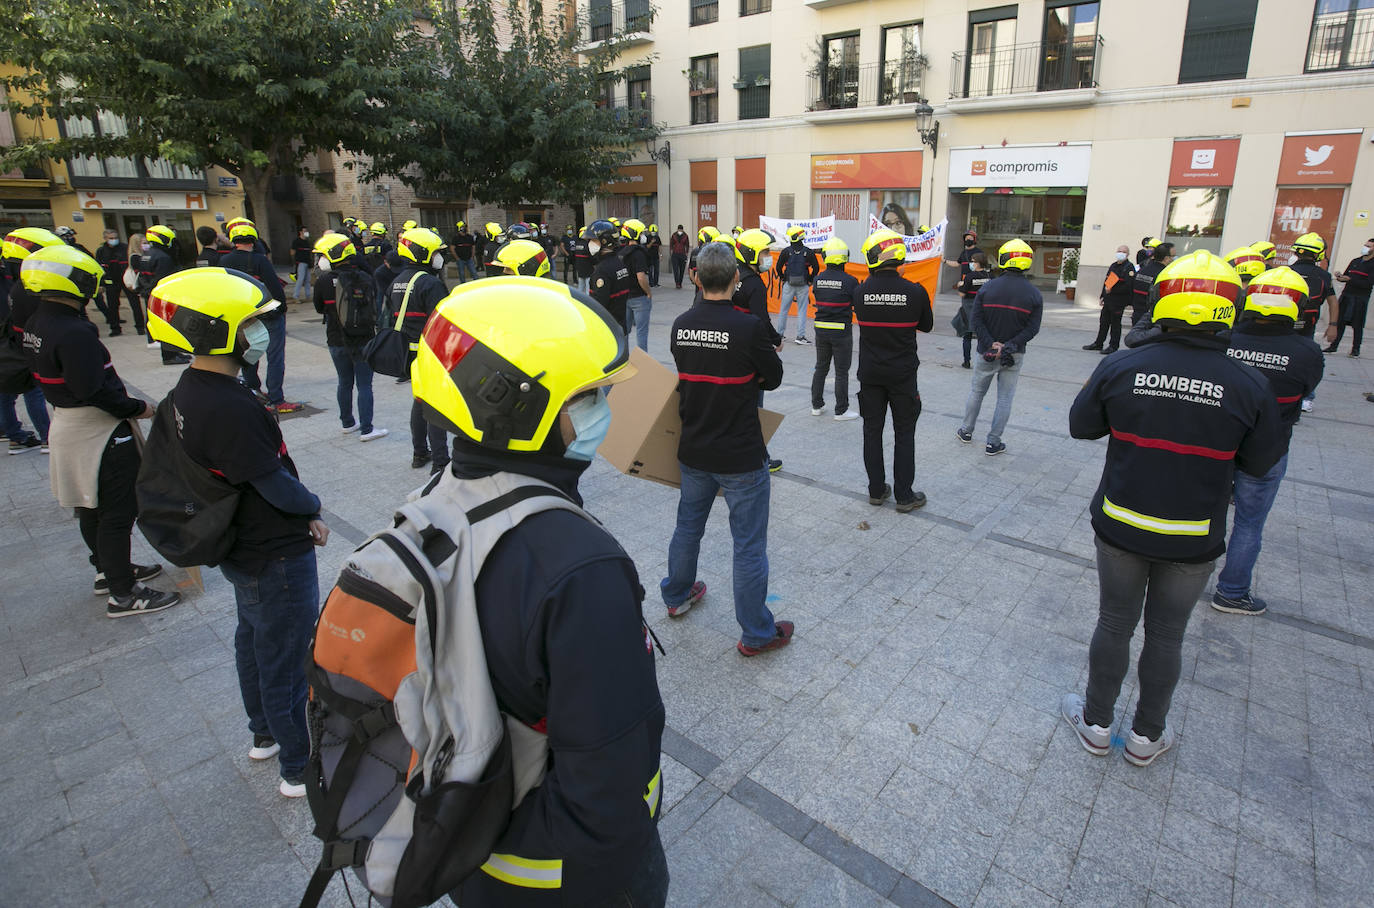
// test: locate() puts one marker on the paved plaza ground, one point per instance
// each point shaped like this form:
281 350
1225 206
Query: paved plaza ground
905 749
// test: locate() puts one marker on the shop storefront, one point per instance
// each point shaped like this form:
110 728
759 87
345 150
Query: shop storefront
852 186
632 194
1035 192
702 182
1315 171
134 211
1200 176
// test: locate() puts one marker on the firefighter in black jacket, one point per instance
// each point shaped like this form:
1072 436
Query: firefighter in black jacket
153 266
113 256
796 268
611 281
415 292
890 310
375 247
1116 294
493 235
558 600
1182 417
243 258
705 235
1264 338
1358 278
1308 249
834 290
1161 255
1006 316
724 359
751 295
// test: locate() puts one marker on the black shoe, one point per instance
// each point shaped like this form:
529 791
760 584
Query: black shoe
1239 605
403 379
115 332
143 600
1355 353
879 499
180 359
142 572
419 460
906 507
968 365
774 466
28 443
138 331
1331 349
993 450
1108 350
964 435
1092 346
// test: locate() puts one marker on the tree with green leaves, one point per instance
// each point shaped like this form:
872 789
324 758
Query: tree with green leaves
514 111
253 86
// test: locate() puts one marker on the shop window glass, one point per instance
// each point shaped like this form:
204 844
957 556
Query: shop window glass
897 209
1196 217
1342 35
1216 40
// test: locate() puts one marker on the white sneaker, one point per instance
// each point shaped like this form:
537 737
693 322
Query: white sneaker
374 434
817 411
349 430
802 341
1306 406
1141 751
152 344
290 789
846 416
1095 739
264 748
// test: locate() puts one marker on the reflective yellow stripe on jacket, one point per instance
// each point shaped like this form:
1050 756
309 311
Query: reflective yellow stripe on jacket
1150 524
527 872
653 792
838 326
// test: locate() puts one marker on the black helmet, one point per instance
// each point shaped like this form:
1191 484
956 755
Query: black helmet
605 232
518 231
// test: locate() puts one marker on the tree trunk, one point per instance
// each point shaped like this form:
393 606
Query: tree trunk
256 185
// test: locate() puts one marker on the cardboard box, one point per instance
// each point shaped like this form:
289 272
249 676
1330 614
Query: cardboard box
645 426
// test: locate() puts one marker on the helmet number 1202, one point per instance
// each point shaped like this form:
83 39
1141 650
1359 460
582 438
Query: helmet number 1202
1224 312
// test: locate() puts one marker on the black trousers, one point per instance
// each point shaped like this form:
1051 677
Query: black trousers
427 438
653 271
1109 322
113 291
1352 312
904 400
679 266
839 346
107 526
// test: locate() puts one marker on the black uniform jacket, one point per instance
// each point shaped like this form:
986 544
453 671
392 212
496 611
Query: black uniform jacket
1182 416
751 295
890 310
1293 364
834 290
724 357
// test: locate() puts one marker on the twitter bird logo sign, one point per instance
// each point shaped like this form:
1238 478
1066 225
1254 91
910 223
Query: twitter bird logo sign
1315 157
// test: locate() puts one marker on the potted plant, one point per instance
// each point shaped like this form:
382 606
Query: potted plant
1068 273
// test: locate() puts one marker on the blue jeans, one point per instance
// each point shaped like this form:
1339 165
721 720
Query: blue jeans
353 369
277 608
276 361
302 281
1254 497
34 402
465 267
746 495
802 295
584 284
983 374
637 319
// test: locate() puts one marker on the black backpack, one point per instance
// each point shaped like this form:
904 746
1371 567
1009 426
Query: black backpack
797 261
185 511
355 303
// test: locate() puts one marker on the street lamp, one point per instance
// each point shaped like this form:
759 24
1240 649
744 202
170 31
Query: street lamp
927 125
664 156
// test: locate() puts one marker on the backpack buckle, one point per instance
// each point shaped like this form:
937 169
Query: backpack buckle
342 853
374 722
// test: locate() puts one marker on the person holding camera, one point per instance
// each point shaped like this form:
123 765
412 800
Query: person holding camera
1006 315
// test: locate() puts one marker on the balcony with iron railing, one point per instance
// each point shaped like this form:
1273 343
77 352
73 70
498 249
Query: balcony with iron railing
843 86
637 110
631 22
1020 69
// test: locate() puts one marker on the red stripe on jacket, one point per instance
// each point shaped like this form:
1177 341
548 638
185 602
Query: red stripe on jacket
1164 444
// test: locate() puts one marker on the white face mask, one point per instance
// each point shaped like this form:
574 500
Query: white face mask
437 263
593 247
324 264
1121 256
1365 250
257 336
766 262
115 242
305 234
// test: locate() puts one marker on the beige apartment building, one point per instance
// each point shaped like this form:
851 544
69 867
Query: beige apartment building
1211 123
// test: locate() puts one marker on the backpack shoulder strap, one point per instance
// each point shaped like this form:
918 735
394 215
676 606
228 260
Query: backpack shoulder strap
405 300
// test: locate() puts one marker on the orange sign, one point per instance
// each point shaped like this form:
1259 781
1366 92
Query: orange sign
634 179
1302 210
870 170
979 168
706 209
925 272
1204 162
1319 160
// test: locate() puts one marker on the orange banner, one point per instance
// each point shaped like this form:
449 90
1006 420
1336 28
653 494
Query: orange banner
925 272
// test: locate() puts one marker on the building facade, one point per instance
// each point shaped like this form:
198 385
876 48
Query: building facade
1074 125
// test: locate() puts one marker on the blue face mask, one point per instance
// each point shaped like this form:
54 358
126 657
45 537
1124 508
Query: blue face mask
591 420
257 337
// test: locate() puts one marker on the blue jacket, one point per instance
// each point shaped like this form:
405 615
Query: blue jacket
1007 310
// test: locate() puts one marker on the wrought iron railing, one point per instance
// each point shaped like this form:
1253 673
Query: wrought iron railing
844 85
1020 68
606 20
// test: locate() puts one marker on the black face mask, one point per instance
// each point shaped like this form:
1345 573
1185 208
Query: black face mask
968 244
